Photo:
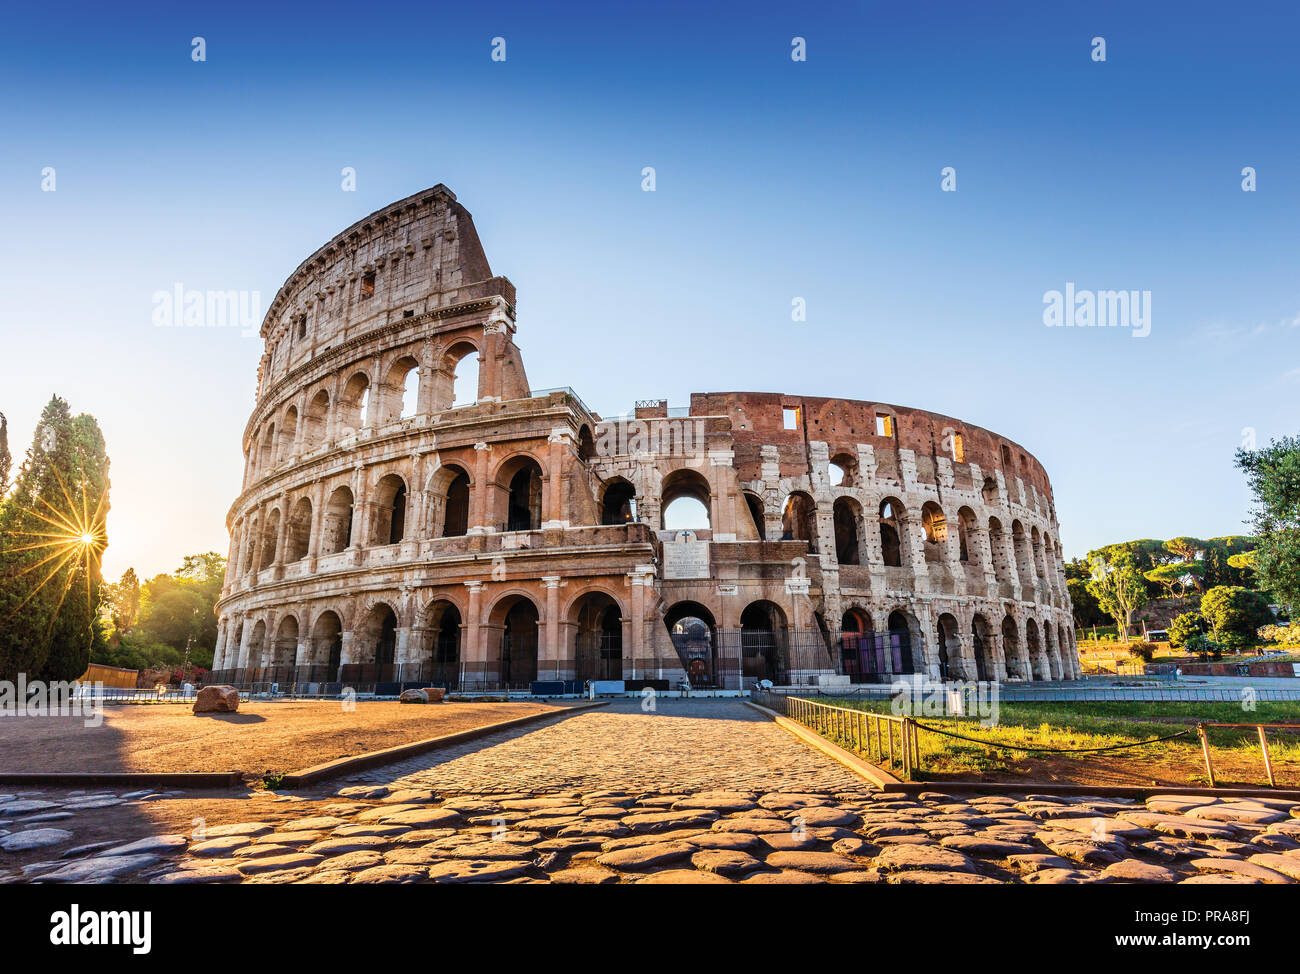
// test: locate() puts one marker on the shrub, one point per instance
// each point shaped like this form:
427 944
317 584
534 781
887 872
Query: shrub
1200 644
1142 651
1185 626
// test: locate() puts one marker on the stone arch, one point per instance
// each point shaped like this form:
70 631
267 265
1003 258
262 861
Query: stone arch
444 626
327 643
968 549
847 514
297 537
690 496
893 531
389 511
1020 545
983 648
934 525
904 645
517 493
457 368
284 652
764 643
449 490
1037 655
1049 646
617 501
847 466
257 644
693 632
595 628
288 433
1011 657
270 537
998 548
799 518
514 619
266 459
402 388
315 429
860 650
353 404
336 526
374 639
948 648
754 504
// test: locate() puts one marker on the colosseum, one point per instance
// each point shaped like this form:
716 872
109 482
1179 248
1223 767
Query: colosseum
413 512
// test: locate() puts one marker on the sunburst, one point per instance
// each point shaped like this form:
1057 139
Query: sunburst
70 536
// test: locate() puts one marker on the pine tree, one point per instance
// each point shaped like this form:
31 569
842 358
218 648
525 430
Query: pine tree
6 458
51 543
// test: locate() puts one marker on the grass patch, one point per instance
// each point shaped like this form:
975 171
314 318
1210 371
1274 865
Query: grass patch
1072 724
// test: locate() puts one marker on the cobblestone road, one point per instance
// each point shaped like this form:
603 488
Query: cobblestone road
682 746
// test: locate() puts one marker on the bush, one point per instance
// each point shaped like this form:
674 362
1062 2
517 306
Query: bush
1201 644
1142 651
1184 627
1282 635
1232 609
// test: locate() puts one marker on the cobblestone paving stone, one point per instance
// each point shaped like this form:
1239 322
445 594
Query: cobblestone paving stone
684 745
618 796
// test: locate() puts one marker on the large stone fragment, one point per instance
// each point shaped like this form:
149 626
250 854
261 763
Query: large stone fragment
34 839
216 699
898 858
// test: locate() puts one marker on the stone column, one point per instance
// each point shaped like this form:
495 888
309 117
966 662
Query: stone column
471 642
553 515
480 514
549 657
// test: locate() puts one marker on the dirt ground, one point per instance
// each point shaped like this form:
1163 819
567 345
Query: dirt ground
261 738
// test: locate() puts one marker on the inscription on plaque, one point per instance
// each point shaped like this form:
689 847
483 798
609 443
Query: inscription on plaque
685 557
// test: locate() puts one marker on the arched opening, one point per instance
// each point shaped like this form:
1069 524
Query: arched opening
285 652
455 503
891 546
981 647
586 444
598 638
298 536
862 652
618 502
998 548
1011 649
1053 656
691 630
1024 558
288 432
270 537
685 497
252 539
847 515
519 484
316 421
763 644
404 382
990 491
374 647
465 381
799 519
935 526
337 526
353 404
517 619
268 449
949 648
755 505
900 643
327 645
1037 657
390 510
257 645
967 553
442 652
843 470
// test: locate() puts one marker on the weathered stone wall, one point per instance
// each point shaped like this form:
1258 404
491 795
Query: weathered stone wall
366 532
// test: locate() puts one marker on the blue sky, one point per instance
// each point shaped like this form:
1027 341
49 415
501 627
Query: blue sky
775 180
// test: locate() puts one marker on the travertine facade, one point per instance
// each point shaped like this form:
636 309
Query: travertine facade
384 535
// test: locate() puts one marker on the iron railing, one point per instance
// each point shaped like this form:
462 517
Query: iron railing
875 737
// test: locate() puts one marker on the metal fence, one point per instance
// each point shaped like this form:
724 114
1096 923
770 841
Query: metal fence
876 737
